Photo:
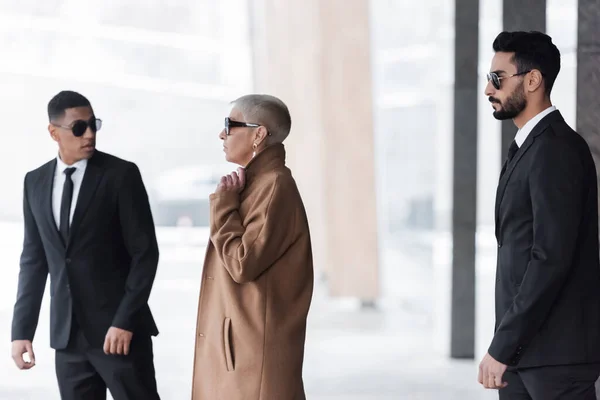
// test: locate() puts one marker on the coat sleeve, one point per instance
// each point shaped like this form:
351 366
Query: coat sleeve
139 236
558 192
247 248
33 275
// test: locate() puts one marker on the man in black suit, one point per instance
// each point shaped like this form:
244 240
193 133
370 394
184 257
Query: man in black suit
548 272
88 224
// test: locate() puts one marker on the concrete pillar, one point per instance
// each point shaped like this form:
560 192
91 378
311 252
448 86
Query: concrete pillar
588 81
588 76
520 15
464 194
315 55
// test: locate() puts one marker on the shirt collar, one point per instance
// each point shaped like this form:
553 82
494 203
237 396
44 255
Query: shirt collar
61 166
528 127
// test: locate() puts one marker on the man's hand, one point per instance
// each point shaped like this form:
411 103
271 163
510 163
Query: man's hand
117 341
20 347
233 182
490 373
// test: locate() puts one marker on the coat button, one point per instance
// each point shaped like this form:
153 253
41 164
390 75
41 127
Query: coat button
210 278
201 335
68 261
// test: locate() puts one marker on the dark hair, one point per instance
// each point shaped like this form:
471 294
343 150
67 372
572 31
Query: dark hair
533 50
64 100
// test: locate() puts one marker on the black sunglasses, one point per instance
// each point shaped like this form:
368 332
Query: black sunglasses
78 127
495 79
229 123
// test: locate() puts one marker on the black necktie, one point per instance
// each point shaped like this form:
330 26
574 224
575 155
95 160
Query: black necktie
65 204
512 150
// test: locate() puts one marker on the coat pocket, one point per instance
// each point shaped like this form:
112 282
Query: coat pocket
229 360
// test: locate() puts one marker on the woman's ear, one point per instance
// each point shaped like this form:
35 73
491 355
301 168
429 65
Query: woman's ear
261 135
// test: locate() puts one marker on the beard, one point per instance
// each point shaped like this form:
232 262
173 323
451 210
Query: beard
512 106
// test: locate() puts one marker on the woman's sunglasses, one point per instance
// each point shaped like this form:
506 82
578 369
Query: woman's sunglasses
79 126
495 79
229 123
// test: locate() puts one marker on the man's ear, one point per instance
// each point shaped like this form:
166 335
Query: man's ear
53 133
534 80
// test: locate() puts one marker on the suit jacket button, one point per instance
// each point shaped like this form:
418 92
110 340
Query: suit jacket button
68 261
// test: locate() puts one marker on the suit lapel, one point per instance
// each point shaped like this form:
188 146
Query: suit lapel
91 178
510 167
46 197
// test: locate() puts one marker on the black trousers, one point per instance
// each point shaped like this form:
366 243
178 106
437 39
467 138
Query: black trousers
84 373
565 382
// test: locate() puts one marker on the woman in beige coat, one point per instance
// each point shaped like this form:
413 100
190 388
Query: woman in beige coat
257 280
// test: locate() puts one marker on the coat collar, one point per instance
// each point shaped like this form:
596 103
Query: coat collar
272 157
523 133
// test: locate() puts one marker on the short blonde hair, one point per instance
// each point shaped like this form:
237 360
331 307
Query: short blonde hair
268 111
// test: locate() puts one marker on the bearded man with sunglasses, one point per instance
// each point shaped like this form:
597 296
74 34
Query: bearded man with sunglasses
546 343
88 225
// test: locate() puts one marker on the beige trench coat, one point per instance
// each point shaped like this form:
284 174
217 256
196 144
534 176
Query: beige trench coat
256 289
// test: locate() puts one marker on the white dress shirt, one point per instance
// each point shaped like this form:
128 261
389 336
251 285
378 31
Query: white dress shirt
59 182
528 127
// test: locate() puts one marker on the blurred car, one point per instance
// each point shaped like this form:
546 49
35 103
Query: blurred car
179 196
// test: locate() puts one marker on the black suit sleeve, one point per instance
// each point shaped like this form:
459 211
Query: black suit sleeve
558 189
32 277
140 240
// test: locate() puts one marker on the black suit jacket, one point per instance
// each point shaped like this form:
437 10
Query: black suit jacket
548 270
104 274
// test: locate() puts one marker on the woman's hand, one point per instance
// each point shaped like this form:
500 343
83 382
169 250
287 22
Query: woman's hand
233 182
